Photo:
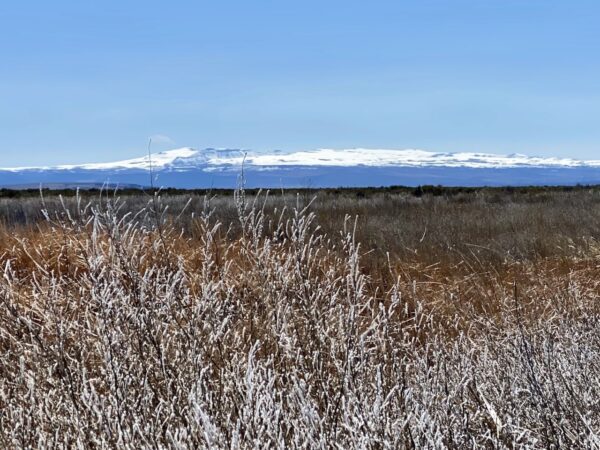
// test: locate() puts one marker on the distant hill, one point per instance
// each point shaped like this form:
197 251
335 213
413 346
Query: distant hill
61 186
222 168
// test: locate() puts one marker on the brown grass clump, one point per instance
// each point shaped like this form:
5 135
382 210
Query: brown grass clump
123 330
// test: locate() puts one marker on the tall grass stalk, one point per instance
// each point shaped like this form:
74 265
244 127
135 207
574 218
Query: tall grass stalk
118 330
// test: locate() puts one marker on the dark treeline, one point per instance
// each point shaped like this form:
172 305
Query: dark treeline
434 190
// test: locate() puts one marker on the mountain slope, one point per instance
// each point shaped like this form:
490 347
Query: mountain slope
187 167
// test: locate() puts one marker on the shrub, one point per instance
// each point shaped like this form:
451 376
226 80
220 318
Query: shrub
120 331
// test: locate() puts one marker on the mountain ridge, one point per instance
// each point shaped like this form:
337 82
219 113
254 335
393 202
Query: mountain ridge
221 167
187 157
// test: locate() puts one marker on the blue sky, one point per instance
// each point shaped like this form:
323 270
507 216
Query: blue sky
88 81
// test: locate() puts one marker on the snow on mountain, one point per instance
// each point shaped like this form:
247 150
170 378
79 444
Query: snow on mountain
190 168
406 158
188 158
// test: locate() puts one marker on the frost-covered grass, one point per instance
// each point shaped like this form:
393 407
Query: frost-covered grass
117 330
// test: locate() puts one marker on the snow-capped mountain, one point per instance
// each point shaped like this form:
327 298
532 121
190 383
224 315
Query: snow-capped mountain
187 167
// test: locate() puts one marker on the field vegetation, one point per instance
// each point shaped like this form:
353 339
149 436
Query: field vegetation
396 319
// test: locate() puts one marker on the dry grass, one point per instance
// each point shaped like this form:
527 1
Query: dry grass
250 326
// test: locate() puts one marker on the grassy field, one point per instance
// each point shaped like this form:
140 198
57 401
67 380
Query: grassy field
396 318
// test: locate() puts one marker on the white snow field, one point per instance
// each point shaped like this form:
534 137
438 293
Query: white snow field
190 168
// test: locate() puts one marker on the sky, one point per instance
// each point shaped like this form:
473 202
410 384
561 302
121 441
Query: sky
84 81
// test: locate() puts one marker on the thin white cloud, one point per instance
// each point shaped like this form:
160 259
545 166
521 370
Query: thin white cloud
162 139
